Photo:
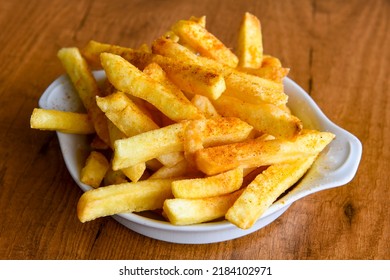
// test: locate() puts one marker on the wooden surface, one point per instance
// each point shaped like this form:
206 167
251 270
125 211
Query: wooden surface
338 51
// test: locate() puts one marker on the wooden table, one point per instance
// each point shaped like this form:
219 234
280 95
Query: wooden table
338 51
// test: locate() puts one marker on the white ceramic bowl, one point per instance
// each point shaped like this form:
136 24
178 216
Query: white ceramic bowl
336 166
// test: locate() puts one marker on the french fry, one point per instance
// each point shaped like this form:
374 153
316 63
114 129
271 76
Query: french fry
255 153
67 122
204 42
178 170
275 74
193 139
148 145
171 159
114 177
126 197
86 86
199 20
266 118
271 61
265 189
94 170
253 89
135 172
220 184
125 114
205 106
250 42
155 71
181 211
127 78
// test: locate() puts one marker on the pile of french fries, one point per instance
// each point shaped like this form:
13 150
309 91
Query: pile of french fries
185 126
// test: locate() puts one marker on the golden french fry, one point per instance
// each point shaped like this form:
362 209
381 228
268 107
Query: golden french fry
67 122
94 170
255 153
224 130
86 86
204 42
155 71
127 78
193 139
266 118
126 197
135 172
114 177
199 20
223 183
258 196
171 159
271 61
205 106
254 89
176 171
272 73
250 42
125 114
148 145
181 211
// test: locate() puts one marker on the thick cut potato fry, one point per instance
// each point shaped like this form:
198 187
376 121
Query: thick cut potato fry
171 159
272 73
266 118
114 177
67 122
271 61
204 42
135 172
223 183
205 106
148 145
265 189
254 89
255 153
178 170
86 86
125 114
126 197
199 20
155 71
181 211
127 78
193 78
94 170
224 130
250 42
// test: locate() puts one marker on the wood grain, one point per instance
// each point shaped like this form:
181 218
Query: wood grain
338 51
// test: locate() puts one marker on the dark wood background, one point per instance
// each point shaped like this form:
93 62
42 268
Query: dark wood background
338 51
